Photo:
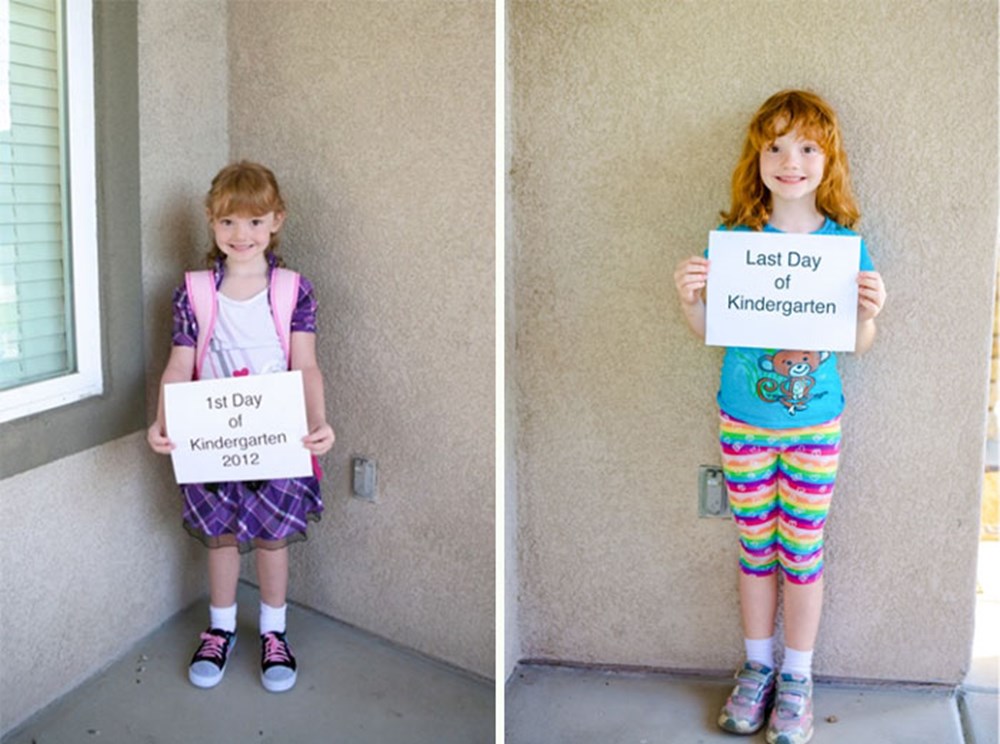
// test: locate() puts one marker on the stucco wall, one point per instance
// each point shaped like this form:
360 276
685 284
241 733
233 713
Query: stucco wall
378 121
512 641
511 620
627 119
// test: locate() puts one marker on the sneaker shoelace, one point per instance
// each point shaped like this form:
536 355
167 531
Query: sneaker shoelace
276 650
212 647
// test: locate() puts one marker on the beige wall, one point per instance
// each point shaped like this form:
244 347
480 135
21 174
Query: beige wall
511 640
378 120
627 119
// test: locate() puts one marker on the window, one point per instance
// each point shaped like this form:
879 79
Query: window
50 344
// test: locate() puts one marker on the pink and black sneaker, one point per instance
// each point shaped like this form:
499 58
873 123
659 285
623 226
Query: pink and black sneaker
277 663
746 708
209 661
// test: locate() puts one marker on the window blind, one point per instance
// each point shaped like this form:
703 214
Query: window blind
36 324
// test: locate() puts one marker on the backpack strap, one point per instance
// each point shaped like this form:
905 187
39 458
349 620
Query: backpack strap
284 295
202 297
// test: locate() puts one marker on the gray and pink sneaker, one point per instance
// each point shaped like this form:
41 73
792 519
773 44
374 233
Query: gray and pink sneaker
792 718
746 708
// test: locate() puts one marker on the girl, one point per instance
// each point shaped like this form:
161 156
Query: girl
780 462
245 213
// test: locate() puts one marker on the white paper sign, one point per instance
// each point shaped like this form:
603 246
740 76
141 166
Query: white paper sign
782 290
238 428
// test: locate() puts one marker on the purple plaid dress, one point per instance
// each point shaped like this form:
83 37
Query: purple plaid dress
249 514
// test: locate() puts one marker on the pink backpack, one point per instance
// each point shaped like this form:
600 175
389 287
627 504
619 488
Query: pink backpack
284 294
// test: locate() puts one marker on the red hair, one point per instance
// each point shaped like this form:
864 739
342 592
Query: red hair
814 118
245 189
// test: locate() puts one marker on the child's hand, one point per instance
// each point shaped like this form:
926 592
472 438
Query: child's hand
690 278
320 440
158 440
871 295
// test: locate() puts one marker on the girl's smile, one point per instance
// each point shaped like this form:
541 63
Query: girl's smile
244 239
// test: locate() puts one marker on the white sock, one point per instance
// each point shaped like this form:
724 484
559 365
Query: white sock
797 662
223 618
272 619
760 650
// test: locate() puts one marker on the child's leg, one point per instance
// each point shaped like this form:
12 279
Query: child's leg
803 607
223 575
805 490
751 484
750 473
758 605
792 717
272 573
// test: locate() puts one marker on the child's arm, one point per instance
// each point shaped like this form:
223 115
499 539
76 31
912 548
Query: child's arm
180 368
871 300
691 278
320 439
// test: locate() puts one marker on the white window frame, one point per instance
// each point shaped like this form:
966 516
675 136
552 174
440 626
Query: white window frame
88 379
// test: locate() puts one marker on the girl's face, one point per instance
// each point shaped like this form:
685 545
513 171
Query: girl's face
792 167
243 239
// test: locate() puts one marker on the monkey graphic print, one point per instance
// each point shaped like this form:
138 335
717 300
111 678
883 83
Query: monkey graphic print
780 388
794 381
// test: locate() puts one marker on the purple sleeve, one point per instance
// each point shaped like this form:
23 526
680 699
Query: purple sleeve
304 315
185 325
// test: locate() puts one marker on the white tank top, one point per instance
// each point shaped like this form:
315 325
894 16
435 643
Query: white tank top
245 341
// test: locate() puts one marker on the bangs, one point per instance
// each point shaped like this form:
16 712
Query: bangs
243 204
244 189
794 114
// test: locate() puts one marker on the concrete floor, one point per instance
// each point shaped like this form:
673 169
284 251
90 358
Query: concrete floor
560 705
353 688
356 689
563 705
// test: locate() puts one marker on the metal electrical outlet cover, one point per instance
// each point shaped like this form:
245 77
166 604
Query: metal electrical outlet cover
365 478
712 500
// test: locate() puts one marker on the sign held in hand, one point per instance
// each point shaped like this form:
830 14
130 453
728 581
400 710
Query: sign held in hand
238 428
782 290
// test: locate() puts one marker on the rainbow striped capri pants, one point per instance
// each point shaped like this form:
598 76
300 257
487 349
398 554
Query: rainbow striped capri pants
780 483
